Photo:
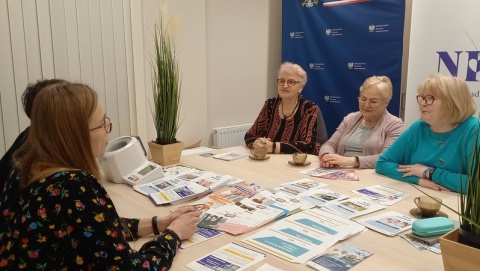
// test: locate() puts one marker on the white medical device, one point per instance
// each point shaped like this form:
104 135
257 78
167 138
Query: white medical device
125 161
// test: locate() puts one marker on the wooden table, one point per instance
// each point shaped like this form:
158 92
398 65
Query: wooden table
390 253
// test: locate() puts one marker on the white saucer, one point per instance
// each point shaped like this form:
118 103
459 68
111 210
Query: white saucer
307 163
258 159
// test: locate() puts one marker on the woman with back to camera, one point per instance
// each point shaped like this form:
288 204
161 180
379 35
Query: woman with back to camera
55 214
287 123
434 151
364 135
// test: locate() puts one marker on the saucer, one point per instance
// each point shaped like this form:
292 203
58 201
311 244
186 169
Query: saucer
299 165
253 157
415 212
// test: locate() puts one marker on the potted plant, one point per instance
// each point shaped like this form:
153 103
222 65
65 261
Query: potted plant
461 247
166 87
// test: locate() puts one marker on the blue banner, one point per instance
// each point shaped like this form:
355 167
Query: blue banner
341 43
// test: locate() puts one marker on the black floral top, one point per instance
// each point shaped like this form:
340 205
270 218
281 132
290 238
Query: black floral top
68 222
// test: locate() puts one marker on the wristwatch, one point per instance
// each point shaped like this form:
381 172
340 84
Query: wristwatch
357 162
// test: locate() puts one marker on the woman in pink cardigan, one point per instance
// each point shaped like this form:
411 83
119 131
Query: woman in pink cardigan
364 135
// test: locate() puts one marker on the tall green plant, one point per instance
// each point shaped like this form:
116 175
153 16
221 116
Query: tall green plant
166 86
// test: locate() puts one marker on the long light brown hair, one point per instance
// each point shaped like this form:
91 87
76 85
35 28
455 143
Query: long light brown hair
59 137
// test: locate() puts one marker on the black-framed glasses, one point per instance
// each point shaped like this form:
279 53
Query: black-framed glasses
290 82
429 99
107 125
372 103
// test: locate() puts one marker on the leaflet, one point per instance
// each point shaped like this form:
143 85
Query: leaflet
228 257
178 193
390 223
230 156
286 204
296 187
332 174
342 258
321 196
351 208
382 194
200 236
420 244
301 236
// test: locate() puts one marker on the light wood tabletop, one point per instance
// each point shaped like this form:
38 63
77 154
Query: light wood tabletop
389 253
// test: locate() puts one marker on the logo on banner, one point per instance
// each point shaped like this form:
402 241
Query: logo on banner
317 66
378 28
296 35
309 3
333 32
332 99
357 66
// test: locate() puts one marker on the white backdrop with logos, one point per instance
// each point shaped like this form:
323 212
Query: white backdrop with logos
444 39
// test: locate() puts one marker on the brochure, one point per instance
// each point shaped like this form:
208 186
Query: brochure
178 193
321 196
332 174
200 236
390 223
228 257
167 181
301 236
339 259
176 169
351 208
296 187
286 204
381 194
230 156
239 217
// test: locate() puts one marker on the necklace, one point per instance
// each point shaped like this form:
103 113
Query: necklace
442 143
293 111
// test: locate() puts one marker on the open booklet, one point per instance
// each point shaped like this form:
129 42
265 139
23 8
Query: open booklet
183 187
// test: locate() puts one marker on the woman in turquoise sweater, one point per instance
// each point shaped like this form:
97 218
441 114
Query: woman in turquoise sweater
434 151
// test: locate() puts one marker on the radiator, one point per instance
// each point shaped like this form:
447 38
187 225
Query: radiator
229 136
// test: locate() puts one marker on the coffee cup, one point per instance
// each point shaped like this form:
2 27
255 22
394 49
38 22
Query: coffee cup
429 206
299 158
259 153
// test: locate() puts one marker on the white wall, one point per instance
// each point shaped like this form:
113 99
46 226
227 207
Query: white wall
229 53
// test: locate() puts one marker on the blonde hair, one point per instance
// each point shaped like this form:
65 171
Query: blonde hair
295 69
59 137
382 83
457 102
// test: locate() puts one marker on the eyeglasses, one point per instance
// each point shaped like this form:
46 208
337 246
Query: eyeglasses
427 98
290 82
107 125
372 103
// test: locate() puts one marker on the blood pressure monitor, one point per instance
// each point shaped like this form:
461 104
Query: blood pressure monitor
124 161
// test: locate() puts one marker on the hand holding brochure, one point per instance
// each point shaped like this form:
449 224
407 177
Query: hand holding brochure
339 259
389 223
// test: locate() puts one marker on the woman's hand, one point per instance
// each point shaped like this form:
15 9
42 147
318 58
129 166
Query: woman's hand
336 160
412 170
263 142
185 224
431 184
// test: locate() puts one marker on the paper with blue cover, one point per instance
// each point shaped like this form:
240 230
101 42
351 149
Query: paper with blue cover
301 236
